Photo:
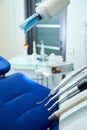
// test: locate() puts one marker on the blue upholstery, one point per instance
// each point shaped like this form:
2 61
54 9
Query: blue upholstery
4 66
18 108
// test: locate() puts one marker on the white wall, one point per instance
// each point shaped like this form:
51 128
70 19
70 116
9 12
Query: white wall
11 36
77 15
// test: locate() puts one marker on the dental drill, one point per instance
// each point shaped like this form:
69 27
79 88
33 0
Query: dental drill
45 10
80 78
71 105
71 93
66 80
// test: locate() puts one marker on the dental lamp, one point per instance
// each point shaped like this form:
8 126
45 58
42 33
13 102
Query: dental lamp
45 10
49 8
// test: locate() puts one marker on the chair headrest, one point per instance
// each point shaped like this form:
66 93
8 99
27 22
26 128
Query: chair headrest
4 66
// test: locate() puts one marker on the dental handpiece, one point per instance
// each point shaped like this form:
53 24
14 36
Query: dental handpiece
82 77
81 87
63 83
68 79
69 106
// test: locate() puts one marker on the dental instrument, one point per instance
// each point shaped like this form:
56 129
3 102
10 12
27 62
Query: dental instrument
69 106
81 87
80 78
66 80
45 10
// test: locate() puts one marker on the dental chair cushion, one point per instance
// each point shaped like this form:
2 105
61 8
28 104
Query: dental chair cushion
55 126
4 66
18 104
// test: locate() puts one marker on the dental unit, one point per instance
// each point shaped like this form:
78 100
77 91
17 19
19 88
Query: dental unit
45 10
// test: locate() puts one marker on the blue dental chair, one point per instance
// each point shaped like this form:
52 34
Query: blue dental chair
18 102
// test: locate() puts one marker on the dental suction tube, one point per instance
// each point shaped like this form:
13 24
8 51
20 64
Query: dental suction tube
49 8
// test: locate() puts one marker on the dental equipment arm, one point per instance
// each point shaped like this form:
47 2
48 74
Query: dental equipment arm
45 10
74 103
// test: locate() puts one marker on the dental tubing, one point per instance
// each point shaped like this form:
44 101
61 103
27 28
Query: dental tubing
74 103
